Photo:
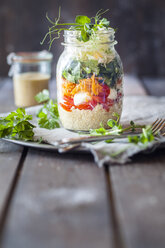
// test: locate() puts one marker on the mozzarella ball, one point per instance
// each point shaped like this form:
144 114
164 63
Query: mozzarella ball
80 98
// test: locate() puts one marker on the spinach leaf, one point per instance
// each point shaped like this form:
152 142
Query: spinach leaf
72 71
77 70
111 72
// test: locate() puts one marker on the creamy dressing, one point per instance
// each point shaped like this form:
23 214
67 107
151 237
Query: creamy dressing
27 85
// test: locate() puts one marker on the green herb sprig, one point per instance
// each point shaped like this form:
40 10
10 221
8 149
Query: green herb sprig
87 26
116 128
17 126
144 138
48 116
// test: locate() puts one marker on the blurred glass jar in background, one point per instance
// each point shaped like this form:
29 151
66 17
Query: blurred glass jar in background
31 72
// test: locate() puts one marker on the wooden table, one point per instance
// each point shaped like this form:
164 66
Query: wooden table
49 200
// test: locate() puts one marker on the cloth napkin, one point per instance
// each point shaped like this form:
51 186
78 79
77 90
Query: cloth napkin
140 109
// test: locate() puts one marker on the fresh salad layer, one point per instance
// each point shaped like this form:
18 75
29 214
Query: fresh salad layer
88 83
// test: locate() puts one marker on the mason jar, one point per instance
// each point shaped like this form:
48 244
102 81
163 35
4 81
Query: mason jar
89 81
31 72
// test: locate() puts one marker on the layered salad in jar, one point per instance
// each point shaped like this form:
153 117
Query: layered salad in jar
89 72
90 83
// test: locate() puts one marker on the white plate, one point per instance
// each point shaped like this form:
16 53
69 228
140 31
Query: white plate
32 144
42 146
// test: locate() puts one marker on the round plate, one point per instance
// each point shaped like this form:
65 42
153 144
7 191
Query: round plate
37 145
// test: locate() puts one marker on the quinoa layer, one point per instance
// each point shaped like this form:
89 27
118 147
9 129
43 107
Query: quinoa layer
88 119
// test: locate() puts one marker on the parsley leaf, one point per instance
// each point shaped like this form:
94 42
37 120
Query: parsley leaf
48 116
17 126
42 96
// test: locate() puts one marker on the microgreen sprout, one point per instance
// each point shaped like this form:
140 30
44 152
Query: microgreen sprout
87 26
115 128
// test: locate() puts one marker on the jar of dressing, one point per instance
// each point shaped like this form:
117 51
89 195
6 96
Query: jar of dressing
31 72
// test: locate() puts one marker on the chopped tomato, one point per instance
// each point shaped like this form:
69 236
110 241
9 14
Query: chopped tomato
105 91
92 103
84 106
67 104
66 107
68 99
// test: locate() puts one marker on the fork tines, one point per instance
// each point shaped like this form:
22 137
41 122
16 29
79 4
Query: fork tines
158 125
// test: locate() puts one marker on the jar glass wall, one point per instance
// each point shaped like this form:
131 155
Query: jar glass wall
89 81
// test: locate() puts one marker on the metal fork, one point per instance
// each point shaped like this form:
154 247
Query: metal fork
157 126
67 144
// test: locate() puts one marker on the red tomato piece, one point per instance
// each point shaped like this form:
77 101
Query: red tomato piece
84 106
66 107
105 91
68 99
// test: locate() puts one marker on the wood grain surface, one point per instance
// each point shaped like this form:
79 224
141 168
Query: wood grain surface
10 157
139 199
60 201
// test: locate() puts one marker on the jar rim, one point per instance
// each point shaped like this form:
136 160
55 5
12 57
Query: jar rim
72 36
77 32
29 57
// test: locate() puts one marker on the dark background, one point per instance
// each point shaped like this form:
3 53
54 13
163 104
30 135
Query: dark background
140 35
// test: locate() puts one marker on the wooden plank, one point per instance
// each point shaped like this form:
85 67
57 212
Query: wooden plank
10 156
9 159
155 86
139 196
61 201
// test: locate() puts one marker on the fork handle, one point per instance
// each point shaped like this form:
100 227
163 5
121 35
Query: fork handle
92 139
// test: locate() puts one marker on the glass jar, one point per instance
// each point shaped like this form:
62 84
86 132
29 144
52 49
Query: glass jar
89 81
31 73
